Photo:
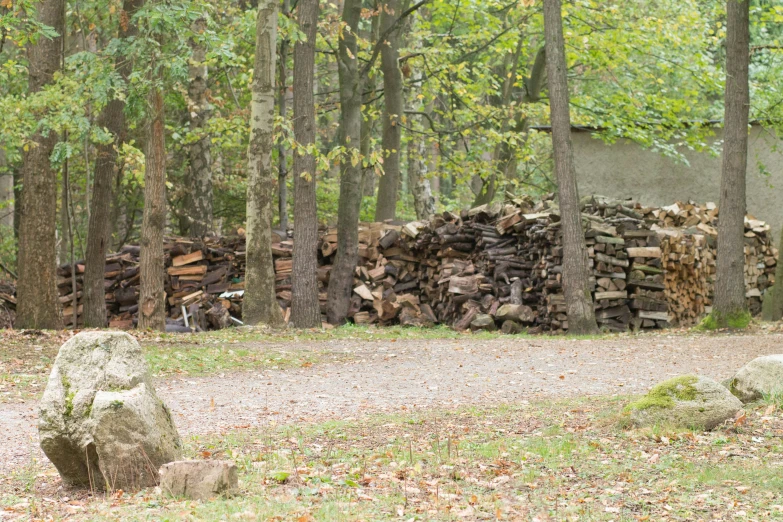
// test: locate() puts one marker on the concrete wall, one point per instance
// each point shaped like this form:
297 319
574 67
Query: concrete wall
625 169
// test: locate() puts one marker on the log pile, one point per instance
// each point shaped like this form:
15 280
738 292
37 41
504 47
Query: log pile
497 266
690 234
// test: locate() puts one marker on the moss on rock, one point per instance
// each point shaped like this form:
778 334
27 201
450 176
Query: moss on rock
664 394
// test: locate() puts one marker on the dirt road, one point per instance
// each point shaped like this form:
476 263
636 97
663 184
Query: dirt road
386 376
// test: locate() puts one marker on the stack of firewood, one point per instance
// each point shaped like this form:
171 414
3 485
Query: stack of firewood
493 266
691 260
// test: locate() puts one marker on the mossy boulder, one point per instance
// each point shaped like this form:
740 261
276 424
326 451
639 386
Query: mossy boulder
688 401
100 421
761 376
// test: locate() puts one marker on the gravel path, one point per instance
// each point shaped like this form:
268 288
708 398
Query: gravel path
388 376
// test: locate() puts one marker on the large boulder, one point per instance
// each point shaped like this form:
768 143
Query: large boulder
761 376
100 421
689 401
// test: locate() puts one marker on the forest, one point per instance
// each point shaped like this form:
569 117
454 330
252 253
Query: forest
130 122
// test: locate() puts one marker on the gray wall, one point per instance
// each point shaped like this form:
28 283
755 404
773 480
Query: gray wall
625 169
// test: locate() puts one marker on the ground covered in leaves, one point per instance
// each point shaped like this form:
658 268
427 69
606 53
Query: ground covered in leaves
563 460
366 424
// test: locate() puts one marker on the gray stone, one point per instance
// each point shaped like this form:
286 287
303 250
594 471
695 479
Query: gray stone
511 328
100 421
761 376
199 479
515 312
483 322
689 401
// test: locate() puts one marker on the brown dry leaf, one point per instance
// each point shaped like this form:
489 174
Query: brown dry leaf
206 454
741 419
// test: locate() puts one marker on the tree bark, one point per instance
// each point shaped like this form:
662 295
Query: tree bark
776 309
579 304
152 296
730 274
199 152
368 125
423 200
305 307
38 305
388 185
260 302
282 165
6 196
341 278
112 117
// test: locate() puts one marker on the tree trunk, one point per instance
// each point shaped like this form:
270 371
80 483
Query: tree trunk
152 309
579 304
775 310
388 185
260 303
423 201
282 166
341 278
305 307
106 169
199 152
6 196
37 286
730 275
368 126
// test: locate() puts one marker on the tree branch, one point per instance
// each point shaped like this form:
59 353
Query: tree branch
377 49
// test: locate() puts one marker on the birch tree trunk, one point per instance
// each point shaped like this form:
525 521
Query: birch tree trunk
341 278
579 304
38 305
423 200
152 311
112 117
260 303
305 307
199 152
730 275
388 185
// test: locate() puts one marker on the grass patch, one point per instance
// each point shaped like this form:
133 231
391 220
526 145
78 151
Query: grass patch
559 460
736 321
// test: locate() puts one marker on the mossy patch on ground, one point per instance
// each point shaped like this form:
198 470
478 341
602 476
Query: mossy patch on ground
735 321
664 394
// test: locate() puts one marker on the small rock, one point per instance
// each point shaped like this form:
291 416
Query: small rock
515 312
100 421
761 376
511 328
689 401
199 479
483 322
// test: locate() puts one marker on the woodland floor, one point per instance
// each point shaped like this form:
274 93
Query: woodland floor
364 425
